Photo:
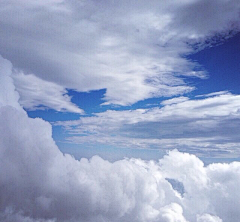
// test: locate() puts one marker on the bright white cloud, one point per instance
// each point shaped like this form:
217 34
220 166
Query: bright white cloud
172 212
36 93
210 124
133 50
40 184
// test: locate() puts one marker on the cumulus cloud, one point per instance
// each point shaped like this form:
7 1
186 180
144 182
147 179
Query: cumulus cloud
172 212
40 184
208 218
206 126
134 50
36 93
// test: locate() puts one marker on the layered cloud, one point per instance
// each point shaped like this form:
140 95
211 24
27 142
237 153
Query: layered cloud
134 50
206 126
40 184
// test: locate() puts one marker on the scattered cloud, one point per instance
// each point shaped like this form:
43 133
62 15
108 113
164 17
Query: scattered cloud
207 126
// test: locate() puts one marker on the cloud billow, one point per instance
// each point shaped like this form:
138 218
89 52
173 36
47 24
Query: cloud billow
40 184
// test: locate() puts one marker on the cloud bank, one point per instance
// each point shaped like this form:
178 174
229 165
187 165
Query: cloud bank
207 126
134 50
40 184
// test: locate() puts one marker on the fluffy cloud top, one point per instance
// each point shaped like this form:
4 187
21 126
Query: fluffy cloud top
40 184
208 218
133 49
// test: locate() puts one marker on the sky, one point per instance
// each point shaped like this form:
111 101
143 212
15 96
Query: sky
119 111
220 62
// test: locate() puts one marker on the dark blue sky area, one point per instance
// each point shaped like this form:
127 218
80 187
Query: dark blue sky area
222 62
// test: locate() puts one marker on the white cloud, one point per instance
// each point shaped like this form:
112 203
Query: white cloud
133 50
208 218
40 184
36 93
174 100
8 97
206 126
213 94
172 212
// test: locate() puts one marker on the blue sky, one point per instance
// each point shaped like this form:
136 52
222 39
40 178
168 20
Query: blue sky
220 62
120 81
119 110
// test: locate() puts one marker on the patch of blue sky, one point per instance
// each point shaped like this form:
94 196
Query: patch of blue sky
222 62
51 115
223 66
90 102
